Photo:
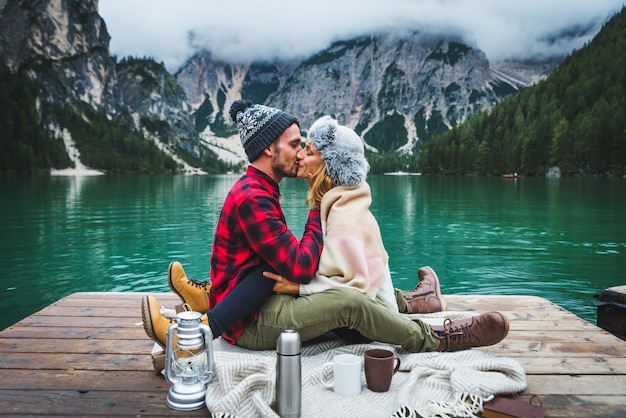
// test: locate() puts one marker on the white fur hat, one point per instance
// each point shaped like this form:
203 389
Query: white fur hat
341 149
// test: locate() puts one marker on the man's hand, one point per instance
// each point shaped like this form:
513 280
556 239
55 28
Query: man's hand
282 285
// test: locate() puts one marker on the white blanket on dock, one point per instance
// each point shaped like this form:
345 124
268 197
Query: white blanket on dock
430 384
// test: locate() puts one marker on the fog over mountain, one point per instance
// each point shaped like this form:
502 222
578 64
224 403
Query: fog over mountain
399 73
246 30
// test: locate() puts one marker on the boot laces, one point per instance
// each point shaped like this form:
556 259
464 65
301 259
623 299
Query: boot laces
168 313
456 333
199 284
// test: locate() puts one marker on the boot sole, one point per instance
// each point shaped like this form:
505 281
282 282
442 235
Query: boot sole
148 326
438 295
506 326
444 304
171 284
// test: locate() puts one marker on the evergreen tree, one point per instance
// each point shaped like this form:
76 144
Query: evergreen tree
574 120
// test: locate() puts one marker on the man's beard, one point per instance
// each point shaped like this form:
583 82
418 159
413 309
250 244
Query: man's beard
285 171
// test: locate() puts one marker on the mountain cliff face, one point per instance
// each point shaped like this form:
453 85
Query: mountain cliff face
157 103
395 90
64 47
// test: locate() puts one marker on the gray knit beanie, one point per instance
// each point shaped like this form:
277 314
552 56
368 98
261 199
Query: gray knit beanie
259 125
341 149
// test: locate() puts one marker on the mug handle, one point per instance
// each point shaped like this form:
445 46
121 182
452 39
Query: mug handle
397 360
326 378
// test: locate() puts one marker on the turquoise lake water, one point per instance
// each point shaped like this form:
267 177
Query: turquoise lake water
562 239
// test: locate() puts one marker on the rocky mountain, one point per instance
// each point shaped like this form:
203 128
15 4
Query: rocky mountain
64 47
158 104
395 89
65 50
570 125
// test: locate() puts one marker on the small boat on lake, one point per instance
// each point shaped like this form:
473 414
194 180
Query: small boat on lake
401 173
513 176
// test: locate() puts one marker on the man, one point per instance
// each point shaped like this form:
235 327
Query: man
252 233
244 246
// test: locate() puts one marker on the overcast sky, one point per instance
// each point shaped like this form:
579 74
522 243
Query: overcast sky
242 30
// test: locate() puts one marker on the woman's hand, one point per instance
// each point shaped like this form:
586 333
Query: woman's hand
282 285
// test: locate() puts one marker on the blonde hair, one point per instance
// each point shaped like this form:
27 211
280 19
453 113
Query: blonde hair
319 183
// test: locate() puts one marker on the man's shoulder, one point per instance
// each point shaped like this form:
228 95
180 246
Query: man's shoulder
249 188
247 184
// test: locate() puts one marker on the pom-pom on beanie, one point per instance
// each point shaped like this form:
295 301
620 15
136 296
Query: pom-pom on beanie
259 125
341 149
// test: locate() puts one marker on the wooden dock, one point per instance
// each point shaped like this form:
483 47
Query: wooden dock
88 355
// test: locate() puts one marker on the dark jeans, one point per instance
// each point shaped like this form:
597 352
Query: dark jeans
245 298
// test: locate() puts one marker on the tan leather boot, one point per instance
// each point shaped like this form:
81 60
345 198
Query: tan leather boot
482 330
155 323
192 292
426 296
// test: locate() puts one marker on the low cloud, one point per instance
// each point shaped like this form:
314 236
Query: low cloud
245 30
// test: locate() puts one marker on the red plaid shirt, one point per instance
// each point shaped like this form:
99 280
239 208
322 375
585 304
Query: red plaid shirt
252 227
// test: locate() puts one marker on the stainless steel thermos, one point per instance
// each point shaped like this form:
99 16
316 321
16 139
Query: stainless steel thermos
288 375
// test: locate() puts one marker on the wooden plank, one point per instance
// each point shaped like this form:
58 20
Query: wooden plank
565 366
90 311
589 335
498 302
577 385
16 332
113 299
62 361
87 322
563 325
558 348
82 380
582 406
73 346
98 403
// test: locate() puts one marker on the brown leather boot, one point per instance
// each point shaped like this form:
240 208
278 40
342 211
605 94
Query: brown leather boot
486 329
192 292
426 296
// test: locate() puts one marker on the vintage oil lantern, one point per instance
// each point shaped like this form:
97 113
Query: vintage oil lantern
188 361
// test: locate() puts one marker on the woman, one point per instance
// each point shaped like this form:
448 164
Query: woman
333 160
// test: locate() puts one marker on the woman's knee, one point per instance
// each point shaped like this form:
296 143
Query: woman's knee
352 300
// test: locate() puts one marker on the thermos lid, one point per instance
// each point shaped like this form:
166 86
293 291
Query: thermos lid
288 343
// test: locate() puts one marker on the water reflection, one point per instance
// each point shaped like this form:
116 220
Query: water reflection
531 237
561 239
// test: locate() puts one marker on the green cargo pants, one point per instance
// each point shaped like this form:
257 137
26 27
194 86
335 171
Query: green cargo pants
316 314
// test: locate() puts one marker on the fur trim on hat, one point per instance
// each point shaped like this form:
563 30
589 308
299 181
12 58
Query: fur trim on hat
341 149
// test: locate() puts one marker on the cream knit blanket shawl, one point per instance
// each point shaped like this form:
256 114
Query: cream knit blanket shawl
429 384
353 254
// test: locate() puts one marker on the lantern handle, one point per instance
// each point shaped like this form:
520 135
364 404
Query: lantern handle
170 376
208 344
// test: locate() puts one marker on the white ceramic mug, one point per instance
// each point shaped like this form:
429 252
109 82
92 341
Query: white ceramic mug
346 372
